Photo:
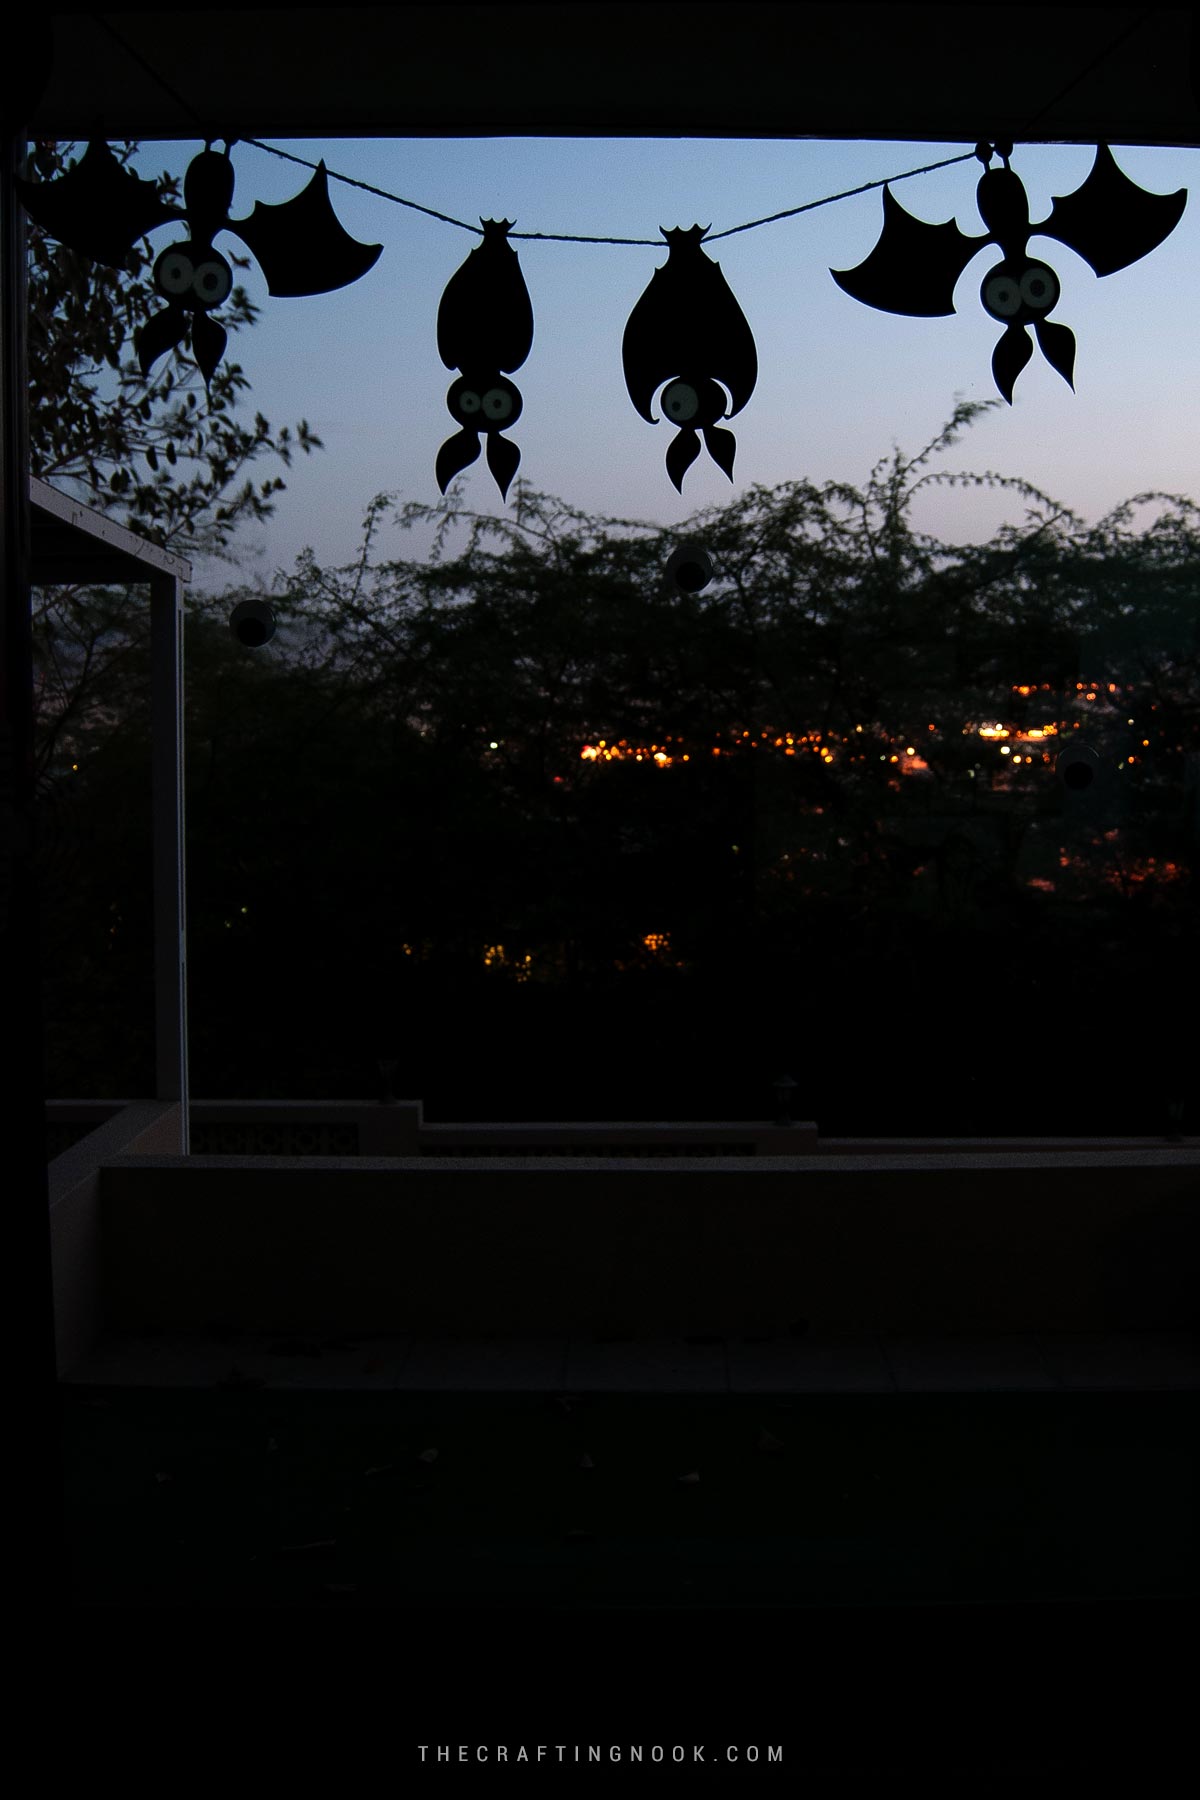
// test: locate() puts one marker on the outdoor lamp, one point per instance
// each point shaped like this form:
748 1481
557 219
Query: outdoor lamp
1077 768
252 623
690 567
1088 787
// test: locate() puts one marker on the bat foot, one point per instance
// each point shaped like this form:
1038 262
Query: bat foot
503 459
682 452
1009 358
722 447
208 345
456 454
163 331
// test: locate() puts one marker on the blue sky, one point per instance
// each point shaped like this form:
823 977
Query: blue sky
839 383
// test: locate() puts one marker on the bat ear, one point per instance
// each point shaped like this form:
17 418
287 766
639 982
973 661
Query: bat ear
302 246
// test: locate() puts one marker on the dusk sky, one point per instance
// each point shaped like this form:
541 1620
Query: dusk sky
839 383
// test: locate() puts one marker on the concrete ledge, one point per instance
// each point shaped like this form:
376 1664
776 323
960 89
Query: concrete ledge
1000 1242
73 1182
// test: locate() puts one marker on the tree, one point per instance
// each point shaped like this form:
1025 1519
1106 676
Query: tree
524 792
155 452
147 448
173 464
524 787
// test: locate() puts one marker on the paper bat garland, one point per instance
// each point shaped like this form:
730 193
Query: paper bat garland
687 336
484 326
101 210
1109 221
689 331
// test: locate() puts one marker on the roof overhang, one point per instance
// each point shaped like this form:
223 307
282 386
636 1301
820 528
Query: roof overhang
70 543
1083 74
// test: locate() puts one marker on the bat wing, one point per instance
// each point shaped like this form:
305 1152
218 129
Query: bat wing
485 316
913 268
725 329
1110 221
646 348
688 322
97 208
301 245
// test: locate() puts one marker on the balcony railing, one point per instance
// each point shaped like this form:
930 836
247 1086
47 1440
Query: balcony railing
362 1128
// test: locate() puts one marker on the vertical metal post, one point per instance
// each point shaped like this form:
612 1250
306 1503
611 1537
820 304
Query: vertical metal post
27 1216
170 920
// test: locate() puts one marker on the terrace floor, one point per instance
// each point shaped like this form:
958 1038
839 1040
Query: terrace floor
932 1529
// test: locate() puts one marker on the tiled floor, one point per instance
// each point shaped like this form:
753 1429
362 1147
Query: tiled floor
864 1364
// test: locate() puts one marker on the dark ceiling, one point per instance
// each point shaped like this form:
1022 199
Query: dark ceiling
937 73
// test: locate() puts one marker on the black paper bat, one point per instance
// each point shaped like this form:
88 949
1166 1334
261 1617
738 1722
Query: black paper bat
101 210
689 331
1110 221
484 326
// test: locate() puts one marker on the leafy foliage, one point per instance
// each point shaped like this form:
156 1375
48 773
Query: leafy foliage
557 837
148 450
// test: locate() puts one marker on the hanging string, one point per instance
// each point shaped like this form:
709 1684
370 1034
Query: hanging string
1100 57
164 84
570 237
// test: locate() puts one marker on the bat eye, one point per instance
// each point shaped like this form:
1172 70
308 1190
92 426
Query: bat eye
498 404
468 401
1001 296
1039 287
173 273
213 281
680 402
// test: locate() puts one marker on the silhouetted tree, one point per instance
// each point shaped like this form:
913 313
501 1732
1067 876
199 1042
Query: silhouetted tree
560 836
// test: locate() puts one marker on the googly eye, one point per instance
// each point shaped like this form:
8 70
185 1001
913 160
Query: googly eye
212 282
680 402
497 404
1001 296
469 401
173 273
1039 287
